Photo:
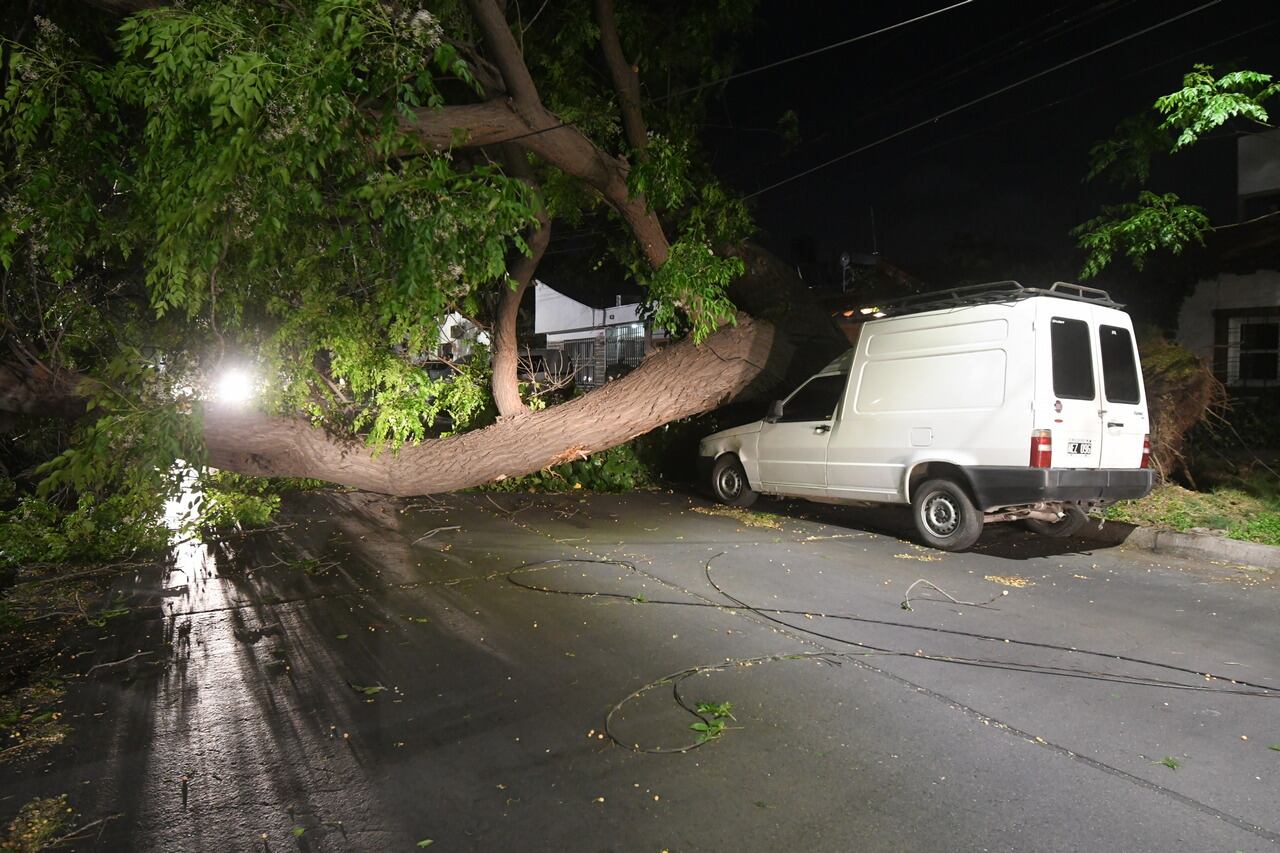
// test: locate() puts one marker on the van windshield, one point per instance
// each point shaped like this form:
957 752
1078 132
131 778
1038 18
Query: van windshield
1072 359
1119 370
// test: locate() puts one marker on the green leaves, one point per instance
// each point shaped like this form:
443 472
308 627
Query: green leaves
1138 229
238 85
1161 222
713 717
1205 103
688 291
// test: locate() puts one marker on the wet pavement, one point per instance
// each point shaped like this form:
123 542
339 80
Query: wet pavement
453 673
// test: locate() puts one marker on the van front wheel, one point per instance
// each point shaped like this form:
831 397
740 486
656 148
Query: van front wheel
729 482
945 517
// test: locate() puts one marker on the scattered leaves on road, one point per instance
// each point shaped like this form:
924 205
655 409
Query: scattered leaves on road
29 721
742 516
371 690
1009 580
38 824
924 558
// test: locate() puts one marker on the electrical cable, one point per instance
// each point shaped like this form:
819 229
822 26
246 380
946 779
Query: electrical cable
806 54
710 726
1259 690
980 99
756 70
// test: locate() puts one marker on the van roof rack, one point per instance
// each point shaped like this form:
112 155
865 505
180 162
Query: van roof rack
985 294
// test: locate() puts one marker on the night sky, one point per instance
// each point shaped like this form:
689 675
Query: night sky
998 184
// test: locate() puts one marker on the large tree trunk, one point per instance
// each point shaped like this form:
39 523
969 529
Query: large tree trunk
681 381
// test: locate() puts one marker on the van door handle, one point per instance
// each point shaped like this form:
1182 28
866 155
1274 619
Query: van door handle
1114 424
820 428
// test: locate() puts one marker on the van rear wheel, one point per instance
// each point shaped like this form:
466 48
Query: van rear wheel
729 482
944 515
1073 518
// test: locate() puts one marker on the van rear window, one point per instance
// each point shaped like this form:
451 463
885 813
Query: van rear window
1072 359
1119 370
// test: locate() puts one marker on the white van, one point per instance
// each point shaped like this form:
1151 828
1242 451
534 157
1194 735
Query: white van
996 402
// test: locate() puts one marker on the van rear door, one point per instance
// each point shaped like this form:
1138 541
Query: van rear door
1124 410
1067 398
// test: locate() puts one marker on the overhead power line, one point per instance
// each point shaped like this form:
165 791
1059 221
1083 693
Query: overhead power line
758 69
808 53
988 96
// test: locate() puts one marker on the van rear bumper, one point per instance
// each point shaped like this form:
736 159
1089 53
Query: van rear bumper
997 487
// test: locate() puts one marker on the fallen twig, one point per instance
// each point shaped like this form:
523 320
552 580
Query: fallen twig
79 832
434 531
115 662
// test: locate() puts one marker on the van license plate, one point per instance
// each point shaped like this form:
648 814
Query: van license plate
1079 448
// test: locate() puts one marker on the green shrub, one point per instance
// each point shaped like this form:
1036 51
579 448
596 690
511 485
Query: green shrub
96 529
233 500
618 469
1264 528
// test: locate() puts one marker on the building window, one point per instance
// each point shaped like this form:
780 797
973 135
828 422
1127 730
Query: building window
625 344
582 355
1253 351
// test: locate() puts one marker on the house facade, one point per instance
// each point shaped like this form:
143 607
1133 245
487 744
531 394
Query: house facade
602 341
1232 319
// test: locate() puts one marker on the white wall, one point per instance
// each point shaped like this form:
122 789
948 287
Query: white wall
1195 318
461 340
553 313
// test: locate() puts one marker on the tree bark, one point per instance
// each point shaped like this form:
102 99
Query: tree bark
36 390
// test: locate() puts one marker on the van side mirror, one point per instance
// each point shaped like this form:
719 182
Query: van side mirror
775 412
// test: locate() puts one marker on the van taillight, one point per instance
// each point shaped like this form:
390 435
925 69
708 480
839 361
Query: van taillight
1041 449
1146 452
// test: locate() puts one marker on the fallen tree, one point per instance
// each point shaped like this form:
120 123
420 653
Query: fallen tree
319 226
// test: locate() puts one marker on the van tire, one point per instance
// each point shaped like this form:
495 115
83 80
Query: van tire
1072 520
729 482
945 517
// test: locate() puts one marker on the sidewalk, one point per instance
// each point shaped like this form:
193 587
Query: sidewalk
1201 545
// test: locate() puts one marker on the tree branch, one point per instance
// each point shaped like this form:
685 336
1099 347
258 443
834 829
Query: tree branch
626 79
505 382
505 54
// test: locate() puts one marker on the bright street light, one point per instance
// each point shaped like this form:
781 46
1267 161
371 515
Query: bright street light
234 386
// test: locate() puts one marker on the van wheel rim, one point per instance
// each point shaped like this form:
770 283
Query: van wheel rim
941 515
730 484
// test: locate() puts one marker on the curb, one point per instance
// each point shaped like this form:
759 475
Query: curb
1217 548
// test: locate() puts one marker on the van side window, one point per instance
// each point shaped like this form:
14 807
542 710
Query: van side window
815 400
1072 359
1119 371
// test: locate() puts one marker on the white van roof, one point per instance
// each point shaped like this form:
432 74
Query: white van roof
989 293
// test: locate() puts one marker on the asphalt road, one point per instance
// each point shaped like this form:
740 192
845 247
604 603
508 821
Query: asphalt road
376 677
